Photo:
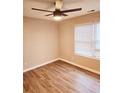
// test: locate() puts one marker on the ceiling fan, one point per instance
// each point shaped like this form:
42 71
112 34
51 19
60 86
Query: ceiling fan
58 13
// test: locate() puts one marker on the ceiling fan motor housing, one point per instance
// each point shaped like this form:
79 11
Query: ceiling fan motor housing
57 12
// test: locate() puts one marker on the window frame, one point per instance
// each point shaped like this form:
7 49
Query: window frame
81 55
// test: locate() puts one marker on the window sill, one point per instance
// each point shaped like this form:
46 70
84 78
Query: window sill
91 57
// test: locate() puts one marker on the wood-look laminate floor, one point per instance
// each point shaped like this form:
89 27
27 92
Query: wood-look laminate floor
60 77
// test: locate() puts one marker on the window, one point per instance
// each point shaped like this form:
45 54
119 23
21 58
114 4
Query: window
87 40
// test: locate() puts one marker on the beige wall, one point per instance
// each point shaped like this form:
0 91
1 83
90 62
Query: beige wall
66 31
40 41
46 40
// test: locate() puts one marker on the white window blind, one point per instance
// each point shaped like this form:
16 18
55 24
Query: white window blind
87 40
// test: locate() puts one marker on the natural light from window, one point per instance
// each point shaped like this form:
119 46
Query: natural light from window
87 40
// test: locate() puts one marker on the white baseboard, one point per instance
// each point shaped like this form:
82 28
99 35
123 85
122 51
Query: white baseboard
83 67
48 62
45 63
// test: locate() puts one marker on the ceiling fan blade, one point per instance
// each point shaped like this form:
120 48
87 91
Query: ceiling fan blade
41 10
58 4
64 15
49 15
71 10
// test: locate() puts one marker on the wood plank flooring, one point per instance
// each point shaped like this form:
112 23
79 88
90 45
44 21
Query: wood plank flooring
60 77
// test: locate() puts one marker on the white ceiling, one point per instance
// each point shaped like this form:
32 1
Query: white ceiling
86 5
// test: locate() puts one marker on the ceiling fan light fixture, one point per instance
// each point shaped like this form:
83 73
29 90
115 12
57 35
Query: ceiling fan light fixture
57 18
58 13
